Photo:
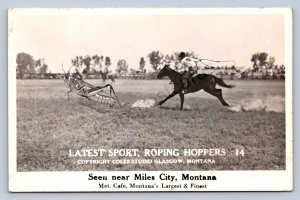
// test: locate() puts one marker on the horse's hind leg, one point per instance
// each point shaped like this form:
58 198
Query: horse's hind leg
181 100
217 93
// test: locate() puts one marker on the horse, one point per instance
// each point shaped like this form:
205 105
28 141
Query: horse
105 76
207 82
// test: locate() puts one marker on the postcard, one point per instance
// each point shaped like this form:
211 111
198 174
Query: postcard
150 99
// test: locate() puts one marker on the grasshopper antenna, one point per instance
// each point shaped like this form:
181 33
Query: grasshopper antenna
62 66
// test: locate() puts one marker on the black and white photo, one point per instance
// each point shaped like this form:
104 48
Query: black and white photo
150 99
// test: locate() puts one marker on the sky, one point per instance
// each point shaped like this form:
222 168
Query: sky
58 38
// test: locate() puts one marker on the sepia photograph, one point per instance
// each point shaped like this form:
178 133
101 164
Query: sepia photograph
164 96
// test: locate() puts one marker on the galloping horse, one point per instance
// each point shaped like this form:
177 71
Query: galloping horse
104 76
206 82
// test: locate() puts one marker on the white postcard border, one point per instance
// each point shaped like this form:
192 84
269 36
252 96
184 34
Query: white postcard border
281 180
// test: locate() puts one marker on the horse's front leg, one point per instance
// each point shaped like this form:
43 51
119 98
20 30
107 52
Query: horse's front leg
168 97
181 100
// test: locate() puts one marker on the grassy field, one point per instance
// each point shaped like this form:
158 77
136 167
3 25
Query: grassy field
48 126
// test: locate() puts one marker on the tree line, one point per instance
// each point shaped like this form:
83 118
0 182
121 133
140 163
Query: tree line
262 61
96 63
93 64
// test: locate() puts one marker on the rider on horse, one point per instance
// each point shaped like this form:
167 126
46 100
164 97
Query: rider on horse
188 68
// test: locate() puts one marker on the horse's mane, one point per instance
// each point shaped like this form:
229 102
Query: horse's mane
172 70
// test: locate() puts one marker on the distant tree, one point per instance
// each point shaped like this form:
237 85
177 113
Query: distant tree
155 58
122 67
77 62
255 61
40 66
74 62
107 61
25 64
38 63
263 59
96 62
168 59
96 59
142 64
282 69
132 71
259 60
271 62
87 62
43 69
107 65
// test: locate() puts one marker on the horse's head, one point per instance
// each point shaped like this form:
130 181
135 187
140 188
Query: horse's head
163 72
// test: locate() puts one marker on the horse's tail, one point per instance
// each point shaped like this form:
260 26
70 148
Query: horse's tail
221 82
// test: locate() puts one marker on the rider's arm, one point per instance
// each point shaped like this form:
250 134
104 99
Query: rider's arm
182 66
185 62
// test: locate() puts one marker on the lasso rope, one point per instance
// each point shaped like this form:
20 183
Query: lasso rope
216 61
